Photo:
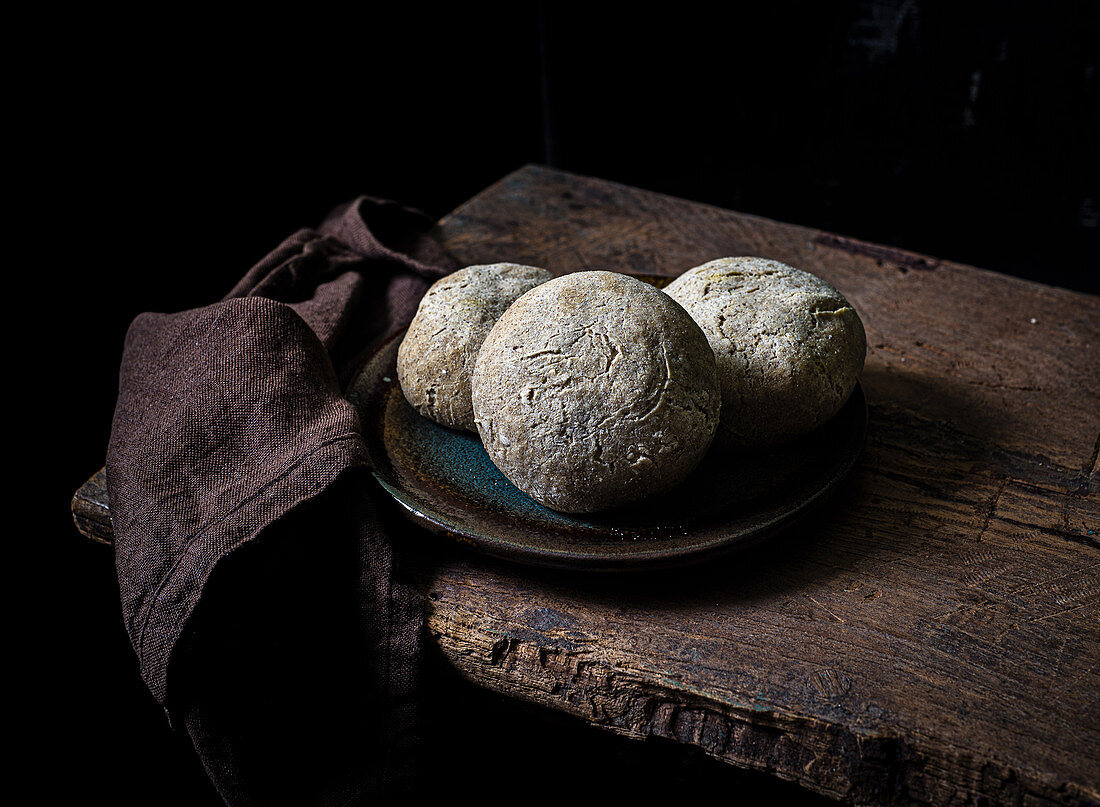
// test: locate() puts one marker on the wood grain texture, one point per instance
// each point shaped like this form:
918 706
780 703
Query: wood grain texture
932 636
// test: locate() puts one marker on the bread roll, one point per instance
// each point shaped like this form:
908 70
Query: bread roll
789 348
436 357
595 390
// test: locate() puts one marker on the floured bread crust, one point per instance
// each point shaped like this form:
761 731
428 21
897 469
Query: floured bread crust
789 347
436 357
595 390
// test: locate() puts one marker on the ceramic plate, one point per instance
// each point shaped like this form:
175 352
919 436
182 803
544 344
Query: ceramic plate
445 481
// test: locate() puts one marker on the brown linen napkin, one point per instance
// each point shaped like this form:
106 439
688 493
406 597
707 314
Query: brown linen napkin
258 587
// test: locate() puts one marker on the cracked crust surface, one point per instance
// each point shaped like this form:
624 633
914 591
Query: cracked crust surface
789 347
612 398
435 360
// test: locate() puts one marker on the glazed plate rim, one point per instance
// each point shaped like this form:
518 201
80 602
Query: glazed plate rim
375 383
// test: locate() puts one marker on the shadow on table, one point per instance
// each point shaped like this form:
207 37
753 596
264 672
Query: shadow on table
914 462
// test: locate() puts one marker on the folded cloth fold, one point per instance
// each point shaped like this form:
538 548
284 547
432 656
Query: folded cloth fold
258 586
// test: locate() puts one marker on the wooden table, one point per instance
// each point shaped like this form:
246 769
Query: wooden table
933 636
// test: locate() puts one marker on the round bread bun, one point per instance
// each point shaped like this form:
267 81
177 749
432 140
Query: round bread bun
789 347
435 360
595 390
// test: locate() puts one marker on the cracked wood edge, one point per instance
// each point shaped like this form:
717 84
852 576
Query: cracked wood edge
91 509
552 665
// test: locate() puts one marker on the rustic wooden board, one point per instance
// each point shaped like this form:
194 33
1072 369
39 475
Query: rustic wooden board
932 637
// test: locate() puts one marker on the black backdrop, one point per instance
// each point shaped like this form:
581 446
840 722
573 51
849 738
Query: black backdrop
169 151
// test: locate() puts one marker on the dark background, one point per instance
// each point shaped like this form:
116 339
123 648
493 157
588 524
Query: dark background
169 152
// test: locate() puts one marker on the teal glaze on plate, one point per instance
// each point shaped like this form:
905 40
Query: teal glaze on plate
461 459
445 481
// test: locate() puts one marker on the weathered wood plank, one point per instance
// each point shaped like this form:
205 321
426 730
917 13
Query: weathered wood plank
930 638
91 508
882 654
934 637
